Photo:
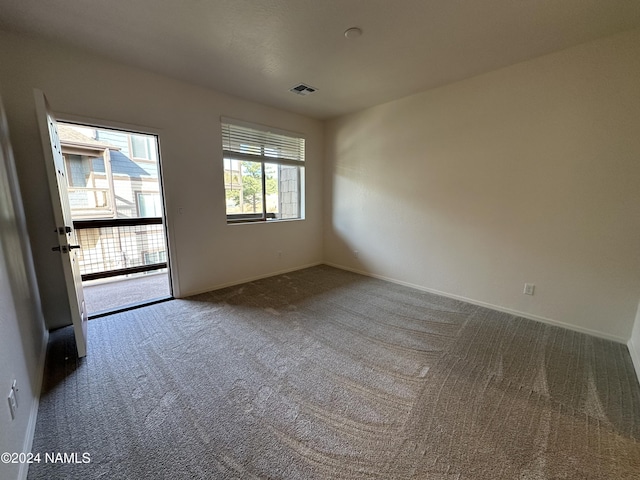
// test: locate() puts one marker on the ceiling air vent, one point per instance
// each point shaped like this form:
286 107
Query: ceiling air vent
303 89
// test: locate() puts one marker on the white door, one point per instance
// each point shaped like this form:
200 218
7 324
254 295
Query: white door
68 246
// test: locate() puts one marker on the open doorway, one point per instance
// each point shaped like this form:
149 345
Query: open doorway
115 195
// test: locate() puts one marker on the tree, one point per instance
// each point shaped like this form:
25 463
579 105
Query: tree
252 184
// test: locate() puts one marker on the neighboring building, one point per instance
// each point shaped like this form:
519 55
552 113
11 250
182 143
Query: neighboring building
113 175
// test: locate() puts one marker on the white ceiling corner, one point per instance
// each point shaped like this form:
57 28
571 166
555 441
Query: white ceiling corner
259 49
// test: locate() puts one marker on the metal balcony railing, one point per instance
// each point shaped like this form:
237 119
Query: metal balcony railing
120 246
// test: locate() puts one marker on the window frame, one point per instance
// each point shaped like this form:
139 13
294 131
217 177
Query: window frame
139 194
296 141
150 152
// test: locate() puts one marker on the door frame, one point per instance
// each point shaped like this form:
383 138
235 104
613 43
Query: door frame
172 266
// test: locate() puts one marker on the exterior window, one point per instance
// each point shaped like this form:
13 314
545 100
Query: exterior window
143 146
149 205
263 173
154 257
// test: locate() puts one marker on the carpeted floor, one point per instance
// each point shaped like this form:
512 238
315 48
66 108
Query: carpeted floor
323 374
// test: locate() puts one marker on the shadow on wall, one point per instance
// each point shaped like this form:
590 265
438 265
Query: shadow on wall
14 246
348 255
417 197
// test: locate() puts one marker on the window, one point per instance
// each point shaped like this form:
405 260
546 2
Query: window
263 173
143 146
150 258
149 205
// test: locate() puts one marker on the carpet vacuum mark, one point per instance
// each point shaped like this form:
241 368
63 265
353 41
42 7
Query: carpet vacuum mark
323 373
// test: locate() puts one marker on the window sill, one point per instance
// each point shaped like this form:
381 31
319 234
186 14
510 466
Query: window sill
263 222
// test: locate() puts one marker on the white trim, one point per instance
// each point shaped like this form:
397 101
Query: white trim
634 352
265 222
491 306
35 404
66 117
250 279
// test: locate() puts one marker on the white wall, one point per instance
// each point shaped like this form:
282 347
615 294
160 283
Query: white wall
526 174
22 333
634 343
206 252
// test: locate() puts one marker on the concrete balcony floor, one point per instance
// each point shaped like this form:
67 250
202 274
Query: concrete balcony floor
115 293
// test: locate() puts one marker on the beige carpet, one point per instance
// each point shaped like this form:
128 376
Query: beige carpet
323 374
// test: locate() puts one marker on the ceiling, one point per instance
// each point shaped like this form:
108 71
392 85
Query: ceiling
259 49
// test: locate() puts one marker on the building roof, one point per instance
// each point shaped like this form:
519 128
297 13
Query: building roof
69 136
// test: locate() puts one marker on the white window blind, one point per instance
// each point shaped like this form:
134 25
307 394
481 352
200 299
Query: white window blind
242 142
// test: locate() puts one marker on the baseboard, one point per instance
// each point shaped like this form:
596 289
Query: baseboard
537 318
250 279
33 414
634 351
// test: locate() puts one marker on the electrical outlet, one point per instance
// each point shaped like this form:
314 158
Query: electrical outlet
356 254
529 288
13 405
